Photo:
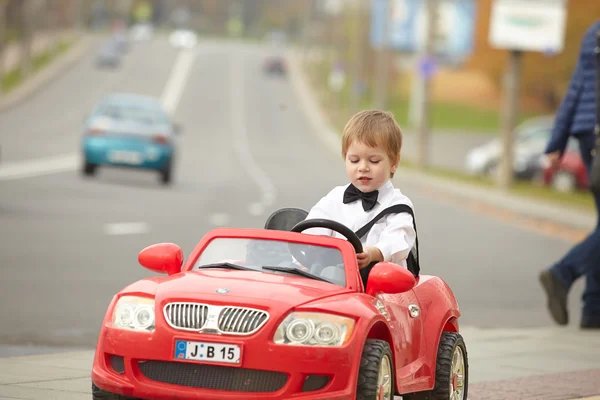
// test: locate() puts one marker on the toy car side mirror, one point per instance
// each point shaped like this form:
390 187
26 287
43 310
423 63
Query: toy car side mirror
389 278
162 258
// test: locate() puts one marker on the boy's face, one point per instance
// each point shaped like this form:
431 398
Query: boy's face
368 168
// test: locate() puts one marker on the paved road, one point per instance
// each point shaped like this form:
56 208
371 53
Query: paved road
246 144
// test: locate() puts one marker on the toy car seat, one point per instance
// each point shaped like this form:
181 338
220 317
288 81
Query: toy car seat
282 220
285 219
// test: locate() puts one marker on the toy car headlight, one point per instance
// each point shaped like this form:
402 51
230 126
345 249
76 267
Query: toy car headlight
314 329
135 313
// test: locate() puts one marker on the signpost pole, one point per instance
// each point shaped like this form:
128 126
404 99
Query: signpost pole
510 116
519 26
424 88
382 62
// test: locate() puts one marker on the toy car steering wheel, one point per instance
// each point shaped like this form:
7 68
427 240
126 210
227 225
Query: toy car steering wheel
327 224
334 226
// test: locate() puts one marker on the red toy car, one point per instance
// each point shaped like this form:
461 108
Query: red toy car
276 314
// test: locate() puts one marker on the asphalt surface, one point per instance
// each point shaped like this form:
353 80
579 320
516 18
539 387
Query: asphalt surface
247 148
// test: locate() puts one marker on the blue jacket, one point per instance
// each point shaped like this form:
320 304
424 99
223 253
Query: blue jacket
577 112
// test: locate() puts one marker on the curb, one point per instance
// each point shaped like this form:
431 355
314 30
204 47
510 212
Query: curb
46 74
494 197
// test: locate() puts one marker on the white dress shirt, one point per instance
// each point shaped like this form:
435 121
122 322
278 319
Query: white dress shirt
394 234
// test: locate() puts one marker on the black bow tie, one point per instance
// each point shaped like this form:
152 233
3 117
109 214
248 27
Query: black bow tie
369 200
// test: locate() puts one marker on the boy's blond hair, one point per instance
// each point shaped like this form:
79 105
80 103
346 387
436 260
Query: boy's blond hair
374 128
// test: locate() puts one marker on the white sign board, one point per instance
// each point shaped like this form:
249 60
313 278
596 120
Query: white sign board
528 25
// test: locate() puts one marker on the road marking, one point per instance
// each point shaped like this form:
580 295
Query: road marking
241 143
37 167
177 79
126 228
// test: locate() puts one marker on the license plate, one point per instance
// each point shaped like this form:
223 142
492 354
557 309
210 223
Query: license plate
125 157
208 351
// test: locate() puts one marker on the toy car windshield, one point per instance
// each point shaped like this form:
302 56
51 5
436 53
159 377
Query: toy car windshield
275 256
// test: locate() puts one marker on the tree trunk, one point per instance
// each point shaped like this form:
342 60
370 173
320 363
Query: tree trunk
3 23
26 37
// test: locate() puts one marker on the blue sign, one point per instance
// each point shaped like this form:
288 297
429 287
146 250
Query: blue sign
456 25
427 67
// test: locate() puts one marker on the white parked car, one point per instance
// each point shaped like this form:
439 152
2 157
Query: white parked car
183 39
530 137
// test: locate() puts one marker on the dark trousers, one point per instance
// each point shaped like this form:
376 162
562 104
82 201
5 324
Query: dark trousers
584 258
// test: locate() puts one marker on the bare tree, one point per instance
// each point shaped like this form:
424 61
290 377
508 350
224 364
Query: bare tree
26 28
3 23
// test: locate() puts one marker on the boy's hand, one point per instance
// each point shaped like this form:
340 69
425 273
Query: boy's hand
369 255
363 259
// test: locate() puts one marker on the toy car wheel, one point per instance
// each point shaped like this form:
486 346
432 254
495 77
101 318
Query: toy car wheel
165 176
452 371
99 394
376 373
89 169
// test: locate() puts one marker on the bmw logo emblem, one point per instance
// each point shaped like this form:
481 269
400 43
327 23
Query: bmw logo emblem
222 290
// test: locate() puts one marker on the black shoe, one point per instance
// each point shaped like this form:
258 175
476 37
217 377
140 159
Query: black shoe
557 297
590 323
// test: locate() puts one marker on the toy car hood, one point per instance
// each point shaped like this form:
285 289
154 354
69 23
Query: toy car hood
214 286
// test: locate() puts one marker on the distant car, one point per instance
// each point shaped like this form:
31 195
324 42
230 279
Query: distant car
109 55
275 65
141 32
129 130
571 174
531 138
278 314
183 39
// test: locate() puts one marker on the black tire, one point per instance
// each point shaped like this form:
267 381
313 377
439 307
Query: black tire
448 343
165 176
89 169
99 394
374 352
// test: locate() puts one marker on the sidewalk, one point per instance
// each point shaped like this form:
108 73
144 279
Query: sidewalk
42 40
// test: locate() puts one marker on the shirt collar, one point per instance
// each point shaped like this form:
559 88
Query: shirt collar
385 191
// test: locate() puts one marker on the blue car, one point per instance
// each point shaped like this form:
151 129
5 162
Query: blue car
130 130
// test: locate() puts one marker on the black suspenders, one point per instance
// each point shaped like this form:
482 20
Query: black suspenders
412 261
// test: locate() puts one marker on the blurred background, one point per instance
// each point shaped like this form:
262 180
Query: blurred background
454 83
199 99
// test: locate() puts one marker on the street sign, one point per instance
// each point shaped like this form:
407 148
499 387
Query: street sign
408 24
528 25
427 67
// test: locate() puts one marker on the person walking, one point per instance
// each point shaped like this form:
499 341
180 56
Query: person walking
576 117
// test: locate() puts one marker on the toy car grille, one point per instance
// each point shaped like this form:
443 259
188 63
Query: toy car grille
214 377
210 318
188 316
241 320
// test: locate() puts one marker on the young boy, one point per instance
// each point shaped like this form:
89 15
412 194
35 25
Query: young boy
371 145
